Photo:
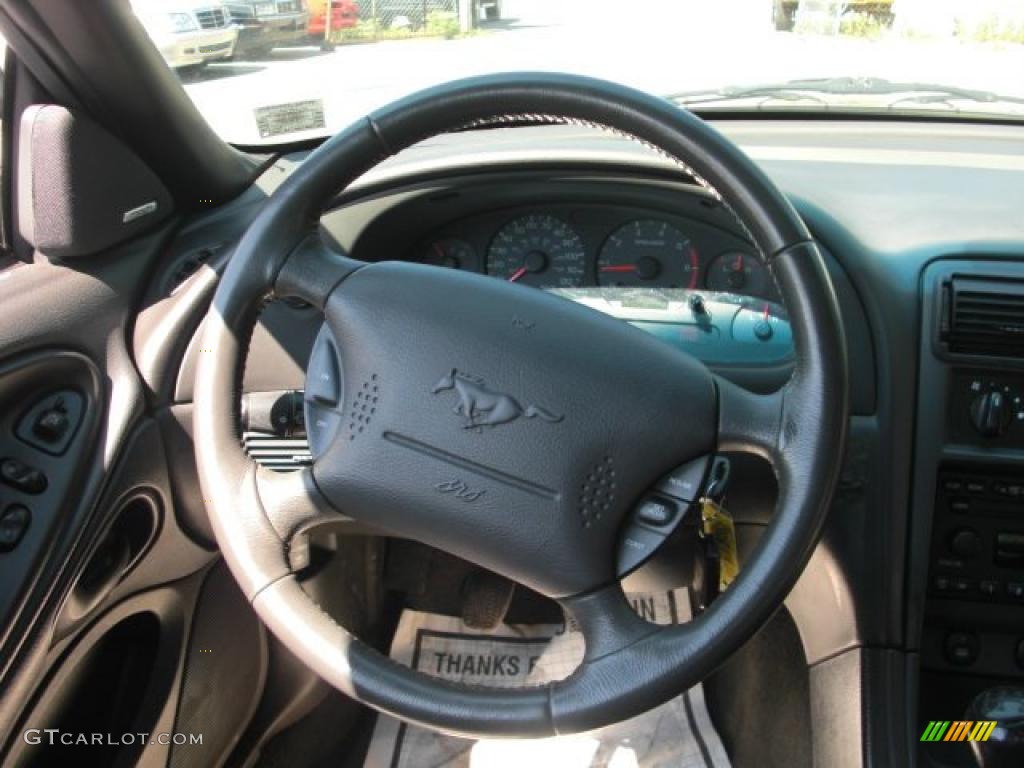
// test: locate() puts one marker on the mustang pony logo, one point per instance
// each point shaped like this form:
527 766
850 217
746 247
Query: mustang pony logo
482 407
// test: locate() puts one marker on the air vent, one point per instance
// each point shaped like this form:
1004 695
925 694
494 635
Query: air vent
983 316
282 454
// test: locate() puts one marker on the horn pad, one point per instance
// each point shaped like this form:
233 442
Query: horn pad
507 426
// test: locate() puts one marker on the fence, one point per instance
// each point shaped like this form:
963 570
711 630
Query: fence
406 14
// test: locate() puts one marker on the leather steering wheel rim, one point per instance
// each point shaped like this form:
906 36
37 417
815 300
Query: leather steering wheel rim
629 665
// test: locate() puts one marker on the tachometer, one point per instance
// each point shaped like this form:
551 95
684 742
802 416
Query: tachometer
537 249
738 272
648 252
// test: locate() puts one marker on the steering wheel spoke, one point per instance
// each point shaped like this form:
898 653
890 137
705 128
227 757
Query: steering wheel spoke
606 620
313 270
749 422
292 502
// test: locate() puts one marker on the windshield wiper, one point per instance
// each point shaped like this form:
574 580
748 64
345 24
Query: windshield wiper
821 89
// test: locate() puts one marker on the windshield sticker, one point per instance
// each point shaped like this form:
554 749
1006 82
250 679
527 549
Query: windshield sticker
281 119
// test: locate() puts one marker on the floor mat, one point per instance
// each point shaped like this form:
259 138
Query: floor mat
678 733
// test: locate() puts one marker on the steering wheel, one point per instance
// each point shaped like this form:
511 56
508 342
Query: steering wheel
513 428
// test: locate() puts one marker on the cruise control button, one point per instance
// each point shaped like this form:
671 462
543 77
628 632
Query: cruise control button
19 475
322 383
685 482
636 546
321 427
655 512
13 524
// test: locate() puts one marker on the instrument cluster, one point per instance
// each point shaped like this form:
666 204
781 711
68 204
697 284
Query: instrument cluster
569 247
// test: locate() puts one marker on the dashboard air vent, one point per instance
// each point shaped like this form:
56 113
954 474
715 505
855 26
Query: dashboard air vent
281 454
983 316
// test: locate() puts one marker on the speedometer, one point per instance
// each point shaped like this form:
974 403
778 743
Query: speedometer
648 252
537 249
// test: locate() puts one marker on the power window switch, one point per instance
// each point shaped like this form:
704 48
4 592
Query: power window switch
21 476
13 523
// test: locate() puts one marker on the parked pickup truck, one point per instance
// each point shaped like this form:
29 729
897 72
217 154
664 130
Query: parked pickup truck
188 33
266 24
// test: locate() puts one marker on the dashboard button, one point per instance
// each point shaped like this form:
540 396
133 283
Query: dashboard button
989 587
960 506
1015 590
942 583
962 584
961 648
13 524
19 475
685 482
1009 549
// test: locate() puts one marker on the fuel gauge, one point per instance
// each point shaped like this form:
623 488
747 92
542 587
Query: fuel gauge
451 252
738 272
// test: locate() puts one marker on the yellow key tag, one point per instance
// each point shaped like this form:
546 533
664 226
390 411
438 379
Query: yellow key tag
718 524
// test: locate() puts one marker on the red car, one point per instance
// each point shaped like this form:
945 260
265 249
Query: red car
344 15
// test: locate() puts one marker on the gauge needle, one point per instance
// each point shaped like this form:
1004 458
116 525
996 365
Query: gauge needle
517 274
619 268
439 251
738 264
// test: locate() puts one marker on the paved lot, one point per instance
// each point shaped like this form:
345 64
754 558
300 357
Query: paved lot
663 46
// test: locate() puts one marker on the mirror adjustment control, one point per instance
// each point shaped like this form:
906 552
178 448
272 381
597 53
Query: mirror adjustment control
13 523
21 476
50 424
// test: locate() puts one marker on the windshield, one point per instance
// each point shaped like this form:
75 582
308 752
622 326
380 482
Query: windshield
274 71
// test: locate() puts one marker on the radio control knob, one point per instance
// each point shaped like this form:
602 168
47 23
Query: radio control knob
991 414
965 543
